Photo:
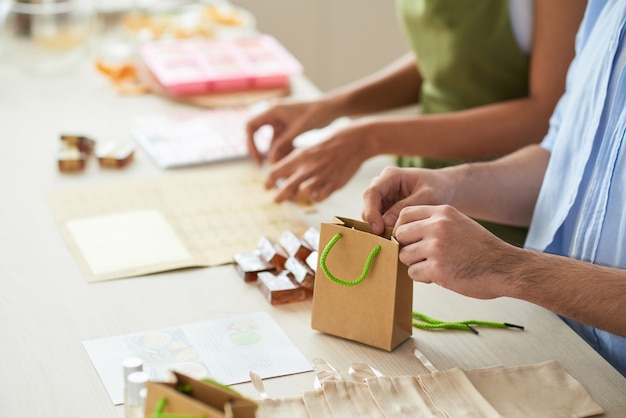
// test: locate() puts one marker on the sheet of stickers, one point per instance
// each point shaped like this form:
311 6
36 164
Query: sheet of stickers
132 228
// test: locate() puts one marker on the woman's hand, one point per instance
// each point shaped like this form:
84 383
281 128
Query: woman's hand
288 119
313 173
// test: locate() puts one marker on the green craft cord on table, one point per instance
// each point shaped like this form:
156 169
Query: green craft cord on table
429 323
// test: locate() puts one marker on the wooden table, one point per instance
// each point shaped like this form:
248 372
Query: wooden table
47 309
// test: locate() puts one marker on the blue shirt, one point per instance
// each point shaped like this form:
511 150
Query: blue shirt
580 211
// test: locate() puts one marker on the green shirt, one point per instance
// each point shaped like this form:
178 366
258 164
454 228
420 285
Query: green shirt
467 56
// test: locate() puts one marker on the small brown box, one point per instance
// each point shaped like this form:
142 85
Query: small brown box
272 252
279 288
71 159
204 399
294 245
301 272
115 155
83 143
249 264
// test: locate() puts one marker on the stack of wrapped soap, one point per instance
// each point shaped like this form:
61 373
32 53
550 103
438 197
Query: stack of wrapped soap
75 150
283 270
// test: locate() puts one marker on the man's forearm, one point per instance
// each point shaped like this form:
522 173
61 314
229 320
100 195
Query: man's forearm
589 293
503 190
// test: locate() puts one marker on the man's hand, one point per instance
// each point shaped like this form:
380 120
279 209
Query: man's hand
288 120
314 172
441 245
397 188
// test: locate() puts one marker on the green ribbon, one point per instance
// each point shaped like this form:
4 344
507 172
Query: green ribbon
366 268
429 323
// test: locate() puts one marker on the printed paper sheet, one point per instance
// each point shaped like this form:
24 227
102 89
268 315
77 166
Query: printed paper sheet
224 350
208 214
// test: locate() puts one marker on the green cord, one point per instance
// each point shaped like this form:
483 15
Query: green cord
468 325
184 388
366 268
160 406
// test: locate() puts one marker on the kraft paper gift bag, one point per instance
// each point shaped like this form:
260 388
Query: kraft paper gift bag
362 291
196 398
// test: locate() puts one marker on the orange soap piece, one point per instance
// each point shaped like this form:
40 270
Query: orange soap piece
115 155
312 238
272 252
250 264
301 273
311 261
83 143
279 288
71 159
294 245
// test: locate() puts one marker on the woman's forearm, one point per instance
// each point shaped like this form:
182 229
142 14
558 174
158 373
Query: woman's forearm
394 86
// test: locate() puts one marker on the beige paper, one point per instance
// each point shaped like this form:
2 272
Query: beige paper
127 240
402 396
455 396
291 407
537 390
316 404
349 399
215 213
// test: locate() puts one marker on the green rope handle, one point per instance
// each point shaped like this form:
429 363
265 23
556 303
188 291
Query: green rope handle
468 325
366 268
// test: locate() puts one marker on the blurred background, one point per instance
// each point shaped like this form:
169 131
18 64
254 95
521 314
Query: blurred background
336 41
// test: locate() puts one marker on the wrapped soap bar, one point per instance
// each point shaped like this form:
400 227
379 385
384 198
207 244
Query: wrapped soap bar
294 245
311 261
71 159
115 154
249 264
279 288
312 238
272 252
83 143
301 273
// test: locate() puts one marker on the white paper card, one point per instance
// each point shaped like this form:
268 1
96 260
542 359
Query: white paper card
126 240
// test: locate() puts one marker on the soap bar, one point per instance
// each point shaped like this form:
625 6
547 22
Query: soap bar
301 272
279 288
294 245
311 261
272 252
312 238
84 144
249 264
71 159
115 154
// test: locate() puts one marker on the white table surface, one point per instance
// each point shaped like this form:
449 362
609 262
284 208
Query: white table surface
47 308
